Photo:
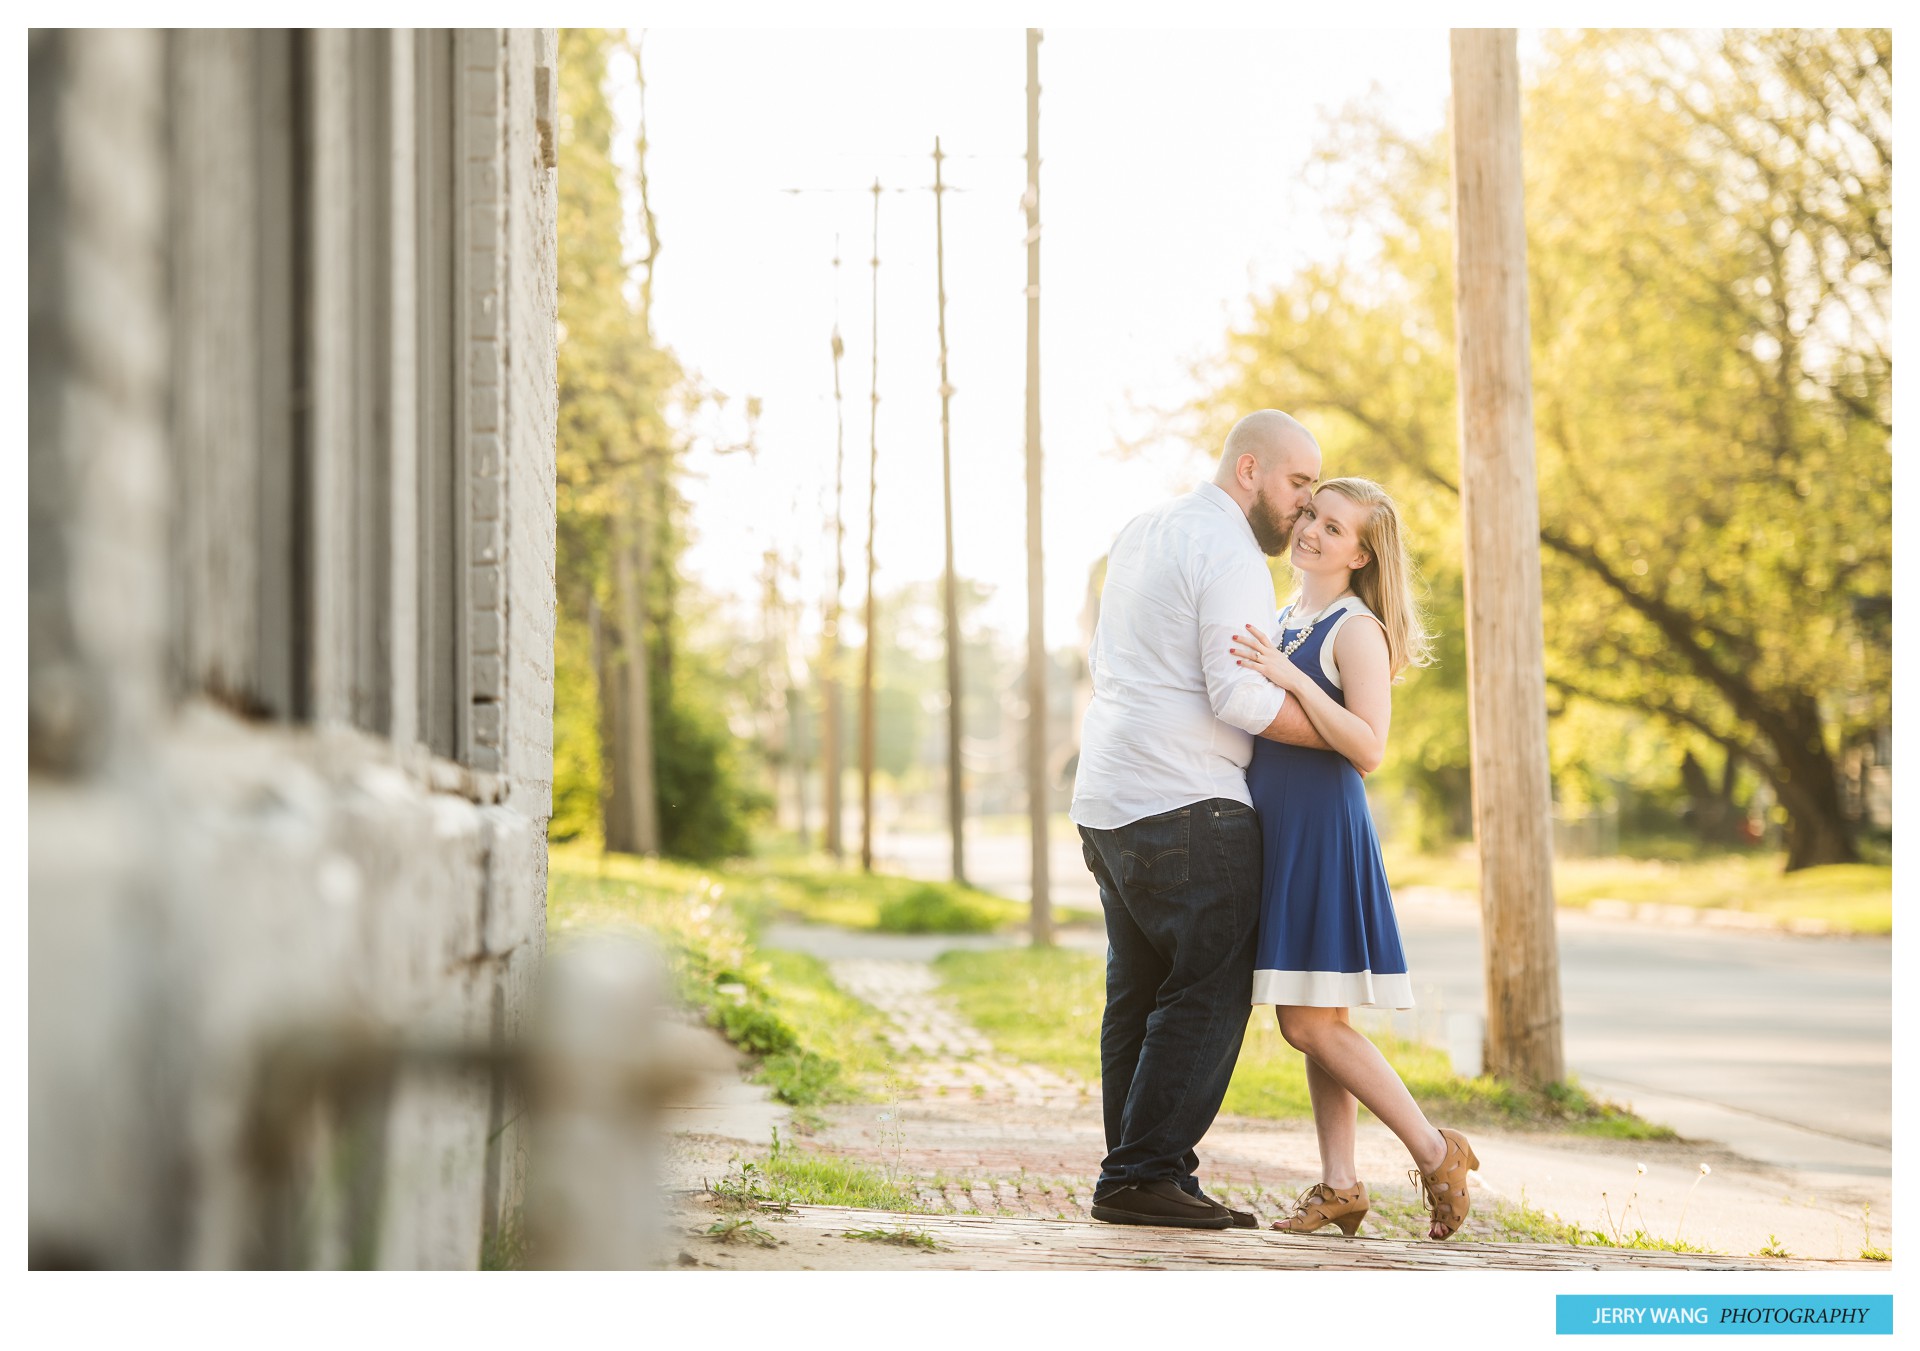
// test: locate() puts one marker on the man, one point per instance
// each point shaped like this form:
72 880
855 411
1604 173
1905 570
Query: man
1166 823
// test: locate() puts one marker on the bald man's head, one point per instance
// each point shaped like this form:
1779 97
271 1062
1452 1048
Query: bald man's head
1269 466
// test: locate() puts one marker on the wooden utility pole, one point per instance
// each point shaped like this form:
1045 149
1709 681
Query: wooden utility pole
873 469
1038 796
630 813
801 729
616 803
956 789
632 566
830 681
1512 796
777 695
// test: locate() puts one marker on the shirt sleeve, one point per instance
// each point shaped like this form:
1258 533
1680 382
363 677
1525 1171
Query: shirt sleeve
1237 594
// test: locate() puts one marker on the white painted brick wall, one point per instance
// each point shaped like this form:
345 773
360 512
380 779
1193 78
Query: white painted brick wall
213 882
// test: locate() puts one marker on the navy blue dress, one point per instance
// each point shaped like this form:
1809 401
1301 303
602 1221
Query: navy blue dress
1328 937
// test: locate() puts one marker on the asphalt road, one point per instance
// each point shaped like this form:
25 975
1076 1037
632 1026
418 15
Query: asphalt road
1779 1046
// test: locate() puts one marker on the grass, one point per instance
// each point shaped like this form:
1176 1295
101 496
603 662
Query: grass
809 888
785 1176
899 1238
815 1044
740 1229
826 1180
1854 898
1044 1006
1524 1223
824 1015
936 909
1868 1252
505 1249
1040 1005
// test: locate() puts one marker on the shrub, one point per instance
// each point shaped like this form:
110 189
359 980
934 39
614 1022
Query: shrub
935 909
752 1026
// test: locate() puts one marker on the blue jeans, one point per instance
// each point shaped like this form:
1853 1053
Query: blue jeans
1181 892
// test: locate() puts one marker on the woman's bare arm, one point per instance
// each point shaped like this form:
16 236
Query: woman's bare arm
1357 731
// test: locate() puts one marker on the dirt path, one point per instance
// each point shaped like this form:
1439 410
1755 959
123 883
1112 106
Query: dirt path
970 1134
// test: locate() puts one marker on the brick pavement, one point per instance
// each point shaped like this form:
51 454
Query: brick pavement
1000 1159
816 1236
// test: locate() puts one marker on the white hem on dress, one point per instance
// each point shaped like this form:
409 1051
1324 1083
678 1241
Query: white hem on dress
1334 989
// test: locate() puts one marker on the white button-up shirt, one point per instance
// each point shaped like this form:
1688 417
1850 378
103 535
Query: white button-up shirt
1173 720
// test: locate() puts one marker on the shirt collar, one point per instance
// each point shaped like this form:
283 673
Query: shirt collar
1218 496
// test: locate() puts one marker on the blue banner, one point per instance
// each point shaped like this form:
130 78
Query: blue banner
1714 1315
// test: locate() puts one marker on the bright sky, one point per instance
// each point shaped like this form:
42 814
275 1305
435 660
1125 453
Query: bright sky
1172 189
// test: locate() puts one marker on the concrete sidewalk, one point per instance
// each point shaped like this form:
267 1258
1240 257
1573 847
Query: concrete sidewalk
815 1238
1007 1147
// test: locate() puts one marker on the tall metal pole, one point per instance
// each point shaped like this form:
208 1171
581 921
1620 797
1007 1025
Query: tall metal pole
873 466
1037 789
830 684
1499 501
956 791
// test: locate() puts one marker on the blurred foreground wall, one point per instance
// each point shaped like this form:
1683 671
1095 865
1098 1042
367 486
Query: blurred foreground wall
292 399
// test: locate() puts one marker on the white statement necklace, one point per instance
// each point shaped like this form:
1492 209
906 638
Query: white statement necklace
1307 632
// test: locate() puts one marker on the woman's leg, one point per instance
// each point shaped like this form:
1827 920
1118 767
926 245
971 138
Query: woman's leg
1335 1115
1354 1064
1335 1112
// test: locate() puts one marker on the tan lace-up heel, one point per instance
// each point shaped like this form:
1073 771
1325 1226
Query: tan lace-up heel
1321 1205
1446 1185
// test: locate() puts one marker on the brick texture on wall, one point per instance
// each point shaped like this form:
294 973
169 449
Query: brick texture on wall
210 873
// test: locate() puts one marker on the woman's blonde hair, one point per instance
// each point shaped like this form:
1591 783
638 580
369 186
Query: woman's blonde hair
1386 582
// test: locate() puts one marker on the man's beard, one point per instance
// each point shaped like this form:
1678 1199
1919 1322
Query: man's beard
1271 530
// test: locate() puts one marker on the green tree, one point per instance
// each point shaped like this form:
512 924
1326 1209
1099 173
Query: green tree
1710 270
621 524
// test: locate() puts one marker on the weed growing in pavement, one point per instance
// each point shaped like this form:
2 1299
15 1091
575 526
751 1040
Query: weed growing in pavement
747 1186
741 1229
1705 1171
505 1249
899 1238
1639 1237
891 1135
787 1177
1643 1241
1869 1253
1523 1223
1626 1210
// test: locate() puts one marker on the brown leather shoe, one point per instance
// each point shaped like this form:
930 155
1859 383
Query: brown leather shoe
1321 1205
1159 1202
1242 1219
1446 1185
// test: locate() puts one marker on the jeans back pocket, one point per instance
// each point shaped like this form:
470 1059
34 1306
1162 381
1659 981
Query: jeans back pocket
1153 855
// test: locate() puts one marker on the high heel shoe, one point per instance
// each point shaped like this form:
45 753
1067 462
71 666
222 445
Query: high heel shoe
1321 1205
1446 1185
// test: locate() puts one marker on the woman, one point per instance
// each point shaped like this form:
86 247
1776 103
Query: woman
1328 938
